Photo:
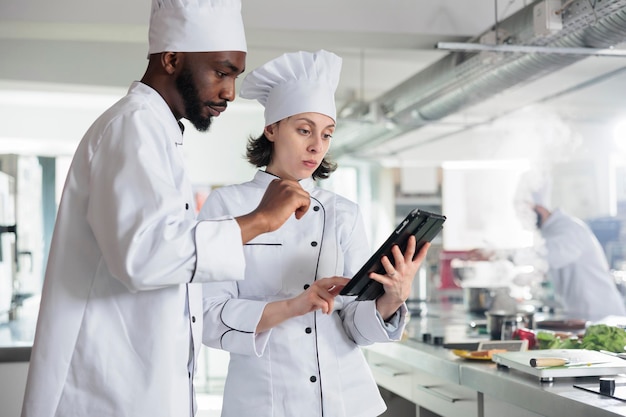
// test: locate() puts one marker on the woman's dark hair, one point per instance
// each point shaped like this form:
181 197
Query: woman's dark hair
259 152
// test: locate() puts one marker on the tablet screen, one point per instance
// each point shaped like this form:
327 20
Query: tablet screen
424 225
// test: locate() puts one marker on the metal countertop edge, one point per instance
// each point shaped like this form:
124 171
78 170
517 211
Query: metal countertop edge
15 354
558 399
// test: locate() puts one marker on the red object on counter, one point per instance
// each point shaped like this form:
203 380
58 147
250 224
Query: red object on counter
445 269
526 334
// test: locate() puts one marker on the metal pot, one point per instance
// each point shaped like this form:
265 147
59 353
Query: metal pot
500 322
480 299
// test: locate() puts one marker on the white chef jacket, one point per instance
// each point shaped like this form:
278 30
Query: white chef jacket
120 321
309 365
579 270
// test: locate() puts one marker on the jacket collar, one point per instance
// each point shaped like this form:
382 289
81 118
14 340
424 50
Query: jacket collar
554 217
263 179
160 106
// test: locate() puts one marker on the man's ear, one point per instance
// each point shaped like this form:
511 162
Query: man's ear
171 61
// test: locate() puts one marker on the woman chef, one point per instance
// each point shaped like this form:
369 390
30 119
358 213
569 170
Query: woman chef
294 343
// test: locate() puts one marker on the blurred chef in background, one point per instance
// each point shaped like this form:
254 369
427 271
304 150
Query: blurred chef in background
566 253
578 268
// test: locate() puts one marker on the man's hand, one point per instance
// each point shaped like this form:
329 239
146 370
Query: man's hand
281 199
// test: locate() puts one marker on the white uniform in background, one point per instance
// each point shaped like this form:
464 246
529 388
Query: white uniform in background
309 365
579 270
120 323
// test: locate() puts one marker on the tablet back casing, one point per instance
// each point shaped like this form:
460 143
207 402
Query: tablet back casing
424 225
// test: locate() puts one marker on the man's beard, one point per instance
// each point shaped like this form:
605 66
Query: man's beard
193 105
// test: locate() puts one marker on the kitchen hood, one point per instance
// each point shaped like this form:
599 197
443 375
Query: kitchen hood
462 79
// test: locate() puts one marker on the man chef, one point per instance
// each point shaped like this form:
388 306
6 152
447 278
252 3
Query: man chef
121 311
578 268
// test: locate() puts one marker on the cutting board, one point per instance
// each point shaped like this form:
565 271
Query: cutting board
599 364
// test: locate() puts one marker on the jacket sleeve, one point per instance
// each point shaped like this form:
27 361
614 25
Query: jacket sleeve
229 322
565 242
140 217
365 326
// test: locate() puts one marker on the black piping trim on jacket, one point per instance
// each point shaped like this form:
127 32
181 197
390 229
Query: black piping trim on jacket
195 241
319 254
230 328
192 372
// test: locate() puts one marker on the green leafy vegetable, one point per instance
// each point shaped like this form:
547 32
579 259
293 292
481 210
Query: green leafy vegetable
545 339
603 337
596 337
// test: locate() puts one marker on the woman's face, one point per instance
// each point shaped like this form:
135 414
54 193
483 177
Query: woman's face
300 143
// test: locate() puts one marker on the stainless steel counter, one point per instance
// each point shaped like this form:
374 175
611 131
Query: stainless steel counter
16 336
523 391
431 359
446 320
554 399
15 354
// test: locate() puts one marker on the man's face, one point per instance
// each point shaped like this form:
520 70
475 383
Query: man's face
191 99
539 218
526 214
206 83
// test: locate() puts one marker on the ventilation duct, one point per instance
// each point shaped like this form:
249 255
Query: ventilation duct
462 79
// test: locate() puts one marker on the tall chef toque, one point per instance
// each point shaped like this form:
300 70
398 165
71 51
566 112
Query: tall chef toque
196 26
542 194
293 83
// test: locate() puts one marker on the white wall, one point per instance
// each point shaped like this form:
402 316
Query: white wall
579 154
218 156
214 158
580 151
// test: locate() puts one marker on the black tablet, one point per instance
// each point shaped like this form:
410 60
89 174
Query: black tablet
424 225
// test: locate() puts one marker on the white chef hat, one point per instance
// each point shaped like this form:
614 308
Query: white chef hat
293 83
196 26
542 195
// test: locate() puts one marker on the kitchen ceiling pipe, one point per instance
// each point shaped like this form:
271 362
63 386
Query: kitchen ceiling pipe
463 79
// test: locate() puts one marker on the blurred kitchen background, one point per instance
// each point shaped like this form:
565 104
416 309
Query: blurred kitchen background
440 107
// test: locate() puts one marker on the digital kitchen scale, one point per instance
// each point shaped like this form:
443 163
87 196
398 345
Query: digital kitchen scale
508 345
592 363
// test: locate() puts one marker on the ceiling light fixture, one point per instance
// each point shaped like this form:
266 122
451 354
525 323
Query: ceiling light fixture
479 47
